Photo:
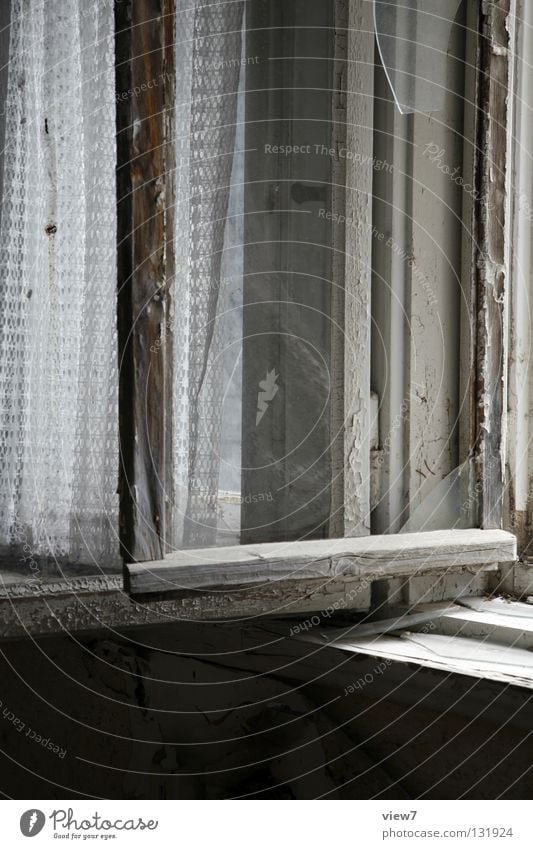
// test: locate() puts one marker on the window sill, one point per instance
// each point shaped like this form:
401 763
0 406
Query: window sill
249 582
370 557
479 637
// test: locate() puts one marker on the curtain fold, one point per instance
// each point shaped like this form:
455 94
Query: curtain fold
209 61
58 372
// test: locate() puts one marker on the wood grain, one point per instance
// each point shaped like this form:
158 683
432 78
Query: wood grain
145 255
358 269
374 557
491 265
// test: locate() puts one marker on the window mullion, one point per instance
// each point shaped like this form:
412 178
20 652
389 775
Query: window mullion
145 92
491 262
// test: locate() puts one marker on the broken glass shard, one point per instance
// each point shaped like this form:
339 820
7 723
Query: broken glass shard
414 39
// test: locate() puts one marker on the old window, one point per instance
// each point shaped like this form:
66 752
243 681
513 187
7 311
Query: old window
299 251
283 139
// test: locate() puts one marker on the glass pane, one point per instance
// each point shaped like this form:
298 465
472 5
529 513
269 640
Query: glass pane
252 292
414 39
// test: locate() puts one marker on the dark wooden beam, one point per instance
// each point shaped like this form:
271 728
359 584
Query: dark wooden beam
145 94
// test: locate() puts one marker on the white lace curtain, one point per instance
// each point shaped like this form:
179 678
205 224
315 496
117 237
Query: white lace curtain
209 62
58 376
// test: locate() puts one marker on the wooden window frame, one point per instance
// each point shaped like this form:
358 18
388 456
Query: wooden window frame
488 290
281 577
519 457
144 38
146 263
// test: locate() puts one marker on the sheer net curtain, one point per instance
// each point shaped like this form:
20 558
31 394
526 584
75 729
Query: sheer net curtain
58 375
207 323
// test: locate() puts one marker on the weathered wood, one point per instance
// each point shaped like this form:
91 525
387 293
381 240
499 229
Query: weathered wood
424 589
145 199
359 173
433 260
467 357
516 579
520 403
390 304
372 558
478 637
338 263
93 604
491 240
498 620
417 231
475 658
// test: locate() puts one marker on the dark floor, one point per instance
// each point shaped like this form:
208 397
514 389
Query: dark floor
221 711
